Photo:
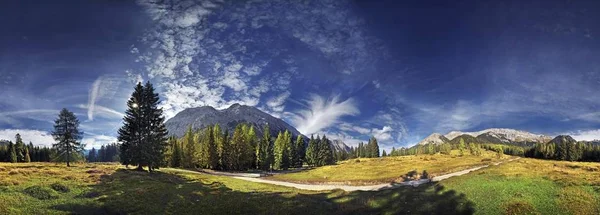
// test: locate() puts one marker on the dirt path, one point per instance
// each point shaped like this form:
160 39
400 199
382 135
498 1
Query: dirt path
350 188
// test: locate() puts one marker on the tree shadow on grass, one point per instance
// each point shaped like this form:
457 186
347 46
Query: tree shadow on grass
132 192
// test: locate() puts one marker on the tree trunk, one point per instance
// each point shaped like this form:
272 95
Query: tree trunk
68 158
140 168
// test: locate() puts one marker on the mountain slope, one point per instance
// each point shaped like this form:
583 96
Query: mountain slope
563 139
228 118
466 138
503 136
202 117
434 138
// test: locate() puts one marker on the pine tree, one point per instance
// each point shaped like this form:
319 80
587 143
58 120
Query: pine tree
209 149
27 157
280 154
290 149
374 148
300 151
143 135
311 152
240 148
226 159
384 154
92 155
190 155
264 150
461 146
67 135
176 155
12 152
253 144
19 148
324 152
218 135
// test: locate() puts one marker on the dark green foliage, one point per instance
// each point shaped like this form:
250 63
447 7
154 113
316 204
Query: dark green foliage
311 152
12 153
60 188
143 135
67 135
300 151
264 150
40 192
106 153
176 153
565 148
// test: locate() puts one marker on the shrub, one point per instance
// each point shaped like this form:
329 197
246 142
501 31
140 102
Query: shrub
60 188
40 193
425 175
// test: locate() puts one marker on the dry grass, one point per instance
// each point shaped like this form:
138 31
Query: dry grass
388 169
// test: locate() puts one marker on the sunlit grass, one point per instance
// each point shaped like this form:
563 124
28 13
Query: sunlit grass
389 169
532 186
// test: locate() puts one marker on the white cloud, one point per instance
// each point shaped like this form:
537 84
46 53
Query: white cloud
104 87
586 135
322 113
97 141
276 103
12 117
383 134
37 137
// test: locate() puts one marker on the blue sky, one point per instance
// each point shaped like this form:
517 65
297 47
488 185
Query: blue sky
397 70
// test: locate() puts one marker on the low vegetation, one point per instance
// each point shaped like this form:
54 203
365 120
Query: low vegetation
530 186
113 189
390 169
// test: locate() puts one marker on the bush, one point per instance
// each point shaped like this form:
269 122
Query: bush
60 188
425 175
40 193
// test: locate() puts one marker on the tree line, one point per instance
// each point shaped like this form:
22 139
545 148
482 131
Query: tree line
106 153
566 151
444 148
19 152
213 148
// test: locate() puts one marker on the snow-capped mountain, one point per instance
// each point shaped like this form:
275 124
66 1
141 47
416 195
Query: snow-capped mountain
503 135
434 138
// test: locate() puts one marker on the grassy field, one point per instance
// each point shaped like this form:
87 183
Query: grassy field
388 169
530 186
525 186
111 189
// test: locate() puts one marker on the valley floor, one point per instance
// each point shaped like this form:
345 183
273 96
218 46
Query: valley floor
524 186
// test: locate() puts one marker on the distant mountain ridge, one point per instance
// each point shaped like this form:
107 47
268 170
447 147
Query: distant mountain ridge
492 135
201 117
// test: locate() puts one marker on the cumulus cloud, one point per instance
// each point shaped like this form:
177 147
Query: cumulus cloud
97 141
217 50
587 135
383 134
322 113
37 137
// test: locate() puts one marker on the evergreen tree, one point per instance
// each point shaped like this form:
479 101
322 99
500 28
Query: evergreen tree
92 155
264 149
209 149
218 135
300 151
311 152
67 135
384 154
144 135
373 148
27 157
280 153
253 144
176 155
227 158
325 153
12 152
190 156
461 146
19 148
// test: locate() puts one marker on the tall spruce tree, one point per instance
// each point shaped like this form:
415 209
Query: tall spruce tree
12 152
143 135
280 153
27 157
190 155
67 135
218 135
176 153
311 151
253 144
300 151
92 155
19 148
263 157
